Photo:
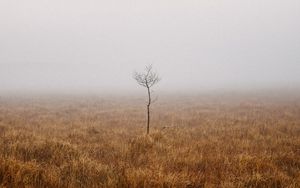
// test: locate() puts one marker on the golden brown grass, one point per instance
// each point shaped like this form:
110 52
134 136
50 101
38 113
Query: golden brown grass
194 142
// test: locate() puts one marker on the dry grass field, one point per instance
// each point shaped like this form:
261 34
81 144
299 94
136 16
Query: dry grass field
194 141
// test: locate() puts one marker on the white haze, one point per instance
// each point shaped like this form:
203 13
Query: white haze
95 45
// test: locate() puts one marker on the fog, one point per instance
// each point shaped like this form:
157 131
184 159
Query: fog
73 45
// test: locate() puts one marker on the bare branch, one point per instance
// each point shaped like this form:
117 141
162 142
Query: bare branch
147 79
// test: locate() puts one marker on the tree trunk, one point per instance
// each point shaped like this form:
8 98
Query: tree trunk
148 110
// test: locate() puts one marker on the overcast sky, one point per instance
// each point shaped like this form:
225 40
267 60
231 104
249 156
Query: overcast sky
199 44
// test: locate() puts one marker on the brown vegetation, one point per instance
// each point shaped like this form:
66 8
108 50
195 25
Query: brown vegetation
194 142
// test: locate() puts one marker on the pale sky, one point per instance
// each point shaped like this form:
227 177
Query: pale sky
97 44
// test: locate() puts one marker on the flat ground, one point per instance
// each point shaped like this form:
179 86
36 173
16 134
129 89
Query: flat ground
195 141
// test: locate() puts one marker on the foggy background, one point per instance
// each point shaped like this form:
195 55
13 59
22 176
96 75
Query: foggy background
76 45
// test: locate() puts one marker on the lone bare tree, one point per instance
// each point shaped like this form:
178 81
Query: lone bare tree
147 79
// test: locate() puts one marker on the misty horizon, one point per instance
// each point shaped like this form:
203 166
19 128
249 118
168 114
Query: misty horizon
194 46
